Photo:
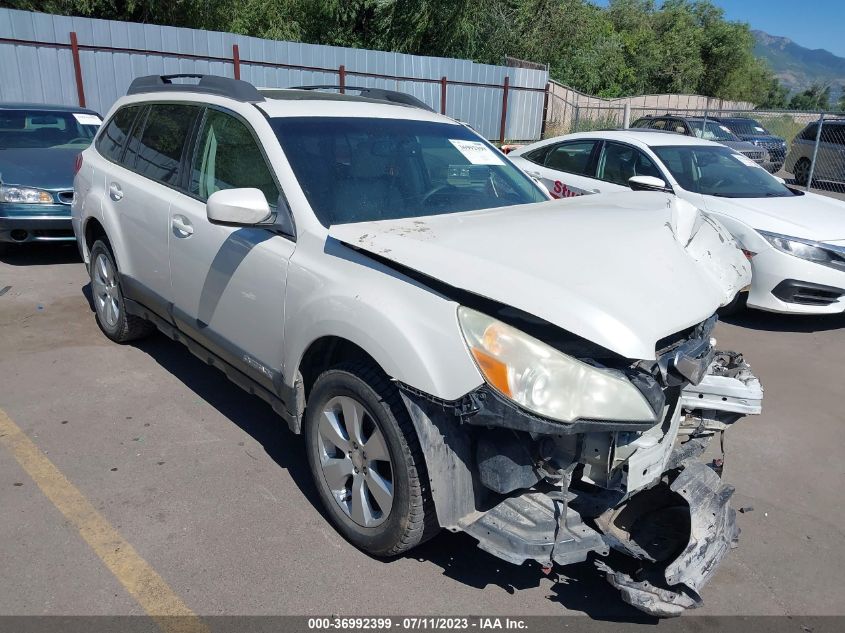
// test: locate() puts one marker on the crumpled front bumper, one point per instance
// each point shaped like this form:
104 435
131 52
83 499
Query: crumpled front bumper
713 531
669 515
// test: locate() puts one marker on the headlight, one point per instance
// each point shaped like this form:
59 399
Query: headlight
24 195
546 381
824 254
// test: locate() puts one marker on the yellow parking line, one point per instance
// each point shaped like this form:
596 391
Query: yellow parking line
134 573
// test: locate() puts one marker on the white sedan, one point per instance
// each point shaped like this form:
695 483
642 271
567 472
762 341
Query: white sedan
794 239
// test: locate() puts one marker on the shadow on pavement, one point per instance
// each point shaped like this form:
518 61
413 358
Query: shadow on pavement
40 254
250 413
580 587
773 322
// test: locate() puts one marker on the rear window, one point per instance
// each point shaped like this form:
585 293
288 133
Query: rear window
41 129
360 169
110 142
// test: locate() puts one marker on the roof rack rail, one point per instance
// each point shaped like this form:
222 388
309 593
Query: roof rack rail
379 94
207 84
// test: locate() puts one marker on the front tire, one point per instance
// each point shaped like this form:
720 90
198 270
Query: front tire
109 305
366 460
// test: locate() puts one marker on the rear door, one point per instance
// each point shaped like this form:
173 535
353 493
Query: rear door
229 282
567 169
140 192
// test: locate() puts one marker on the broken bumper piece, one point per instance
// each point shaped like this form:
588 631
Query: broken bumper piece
670 590
526 528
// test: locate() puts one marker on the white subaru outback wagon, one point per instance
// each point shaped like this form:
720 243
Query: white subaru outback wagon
459 351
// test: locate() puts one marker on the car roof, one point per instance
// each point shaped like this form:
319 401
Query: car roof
290 102
44 107
640 137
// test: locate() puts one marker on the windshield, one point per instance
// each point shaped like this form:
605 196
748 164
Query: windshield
712 131
747 127
359 169
719 171
21 129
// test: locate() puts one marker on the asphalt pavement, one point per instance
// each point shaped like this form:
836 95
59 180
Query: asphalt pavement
205 485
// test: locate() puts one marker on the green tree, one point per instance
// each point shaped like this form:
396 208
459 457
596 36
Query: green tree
816 97
629 47
776 97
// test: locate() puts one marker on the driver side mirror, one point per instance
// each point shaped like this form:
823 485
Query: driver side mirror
647 183
237 207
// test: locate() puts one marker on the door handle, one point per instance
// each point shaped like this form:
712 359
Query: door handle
182 226
115 192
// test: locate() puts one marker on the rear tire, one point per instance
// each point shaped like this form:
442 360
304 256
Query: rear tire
352 409
109 305
801 171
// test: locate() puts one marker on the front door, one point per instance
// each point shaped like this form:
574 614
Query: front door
229 282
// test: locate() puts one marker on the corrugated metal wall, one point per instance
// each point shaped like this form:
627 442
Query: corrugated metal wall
45 74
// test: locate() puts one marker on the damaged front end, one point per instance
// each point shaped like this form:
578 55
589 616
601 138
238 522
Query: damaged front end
530 488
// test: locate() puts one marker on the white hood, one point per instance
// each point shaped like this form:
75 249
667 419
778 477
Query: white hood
810 216
622 270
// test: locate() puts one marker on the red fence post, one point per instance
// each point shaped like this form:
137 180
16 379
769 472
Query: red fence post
77 68
443 83
505 89
341 72
236 57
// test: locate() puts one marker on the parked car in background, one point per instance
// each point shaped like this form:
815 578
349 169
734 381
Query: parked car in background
795 240
709 130
39 146
459 351
751 130
830 159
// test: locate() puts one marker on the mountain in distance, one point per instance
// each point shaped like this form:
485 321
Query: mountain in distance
798 67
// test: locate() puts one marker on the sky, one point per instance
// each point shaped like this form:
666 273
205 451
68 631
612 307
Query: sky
819 24
811 23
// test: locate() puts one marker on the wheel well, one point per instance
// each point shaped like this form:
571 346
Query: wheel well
327 352
93 231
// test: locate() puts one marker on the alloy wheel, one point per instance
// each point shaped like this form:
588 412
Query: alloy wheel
355 461
106 291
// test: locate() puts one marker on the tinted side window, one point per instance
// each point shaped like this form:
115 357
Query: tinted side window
618 163
110 142
228 157
641 123
133 145
538 155
676 125
810 132
573 158
161 142
833 134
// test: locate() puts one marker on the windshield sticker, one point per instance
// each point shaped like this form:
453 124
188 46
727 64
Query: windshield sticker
724 129
87 119
477 152
757 128
746 161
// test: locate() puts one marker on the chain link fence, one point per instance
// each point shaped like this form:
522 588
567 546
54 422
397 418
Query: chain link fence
805 148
